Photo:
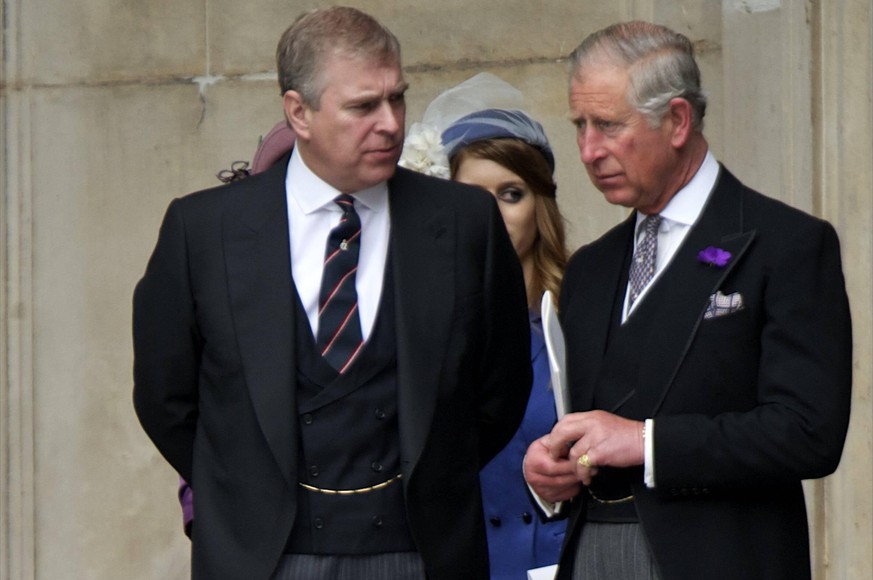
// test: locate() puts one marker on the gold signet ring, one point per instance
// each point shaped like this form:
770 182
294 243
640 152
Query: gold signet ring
584 461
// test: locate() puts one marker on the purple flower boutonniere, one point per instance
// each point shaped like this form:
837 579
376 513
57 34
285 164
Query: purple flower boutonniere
712 256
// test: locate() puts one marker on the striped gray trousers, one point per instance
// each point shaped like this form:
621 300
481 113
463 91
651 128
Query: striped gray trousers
616 551
396 565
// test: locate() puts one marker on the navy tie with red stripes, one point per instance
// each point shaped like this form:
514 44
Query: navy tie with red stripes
339 327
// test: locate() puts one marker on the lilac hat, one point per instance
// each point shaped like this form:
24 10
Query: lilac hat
275 144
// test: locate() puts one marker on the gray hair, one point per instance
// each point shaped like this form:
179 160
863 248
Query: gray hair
660 64
318 34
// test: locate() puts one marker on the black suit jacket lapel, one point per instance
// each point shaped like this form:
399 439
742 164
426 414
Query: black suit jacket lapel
599 288
259 278
422 256
684 288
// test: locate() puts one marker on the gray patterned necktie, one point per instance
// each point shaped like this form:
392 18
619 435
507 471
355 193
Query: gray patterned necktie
643 267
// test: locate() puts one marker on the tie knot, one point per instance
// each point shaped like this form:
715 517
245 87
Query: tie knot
652 223
346 202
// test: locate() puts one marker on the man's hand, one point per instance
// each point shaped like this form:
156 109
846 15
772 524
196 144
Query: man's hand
552 479
596 439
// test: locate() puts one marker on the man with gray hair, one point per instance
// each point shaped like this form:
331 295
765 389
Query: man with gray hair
708 340
329 351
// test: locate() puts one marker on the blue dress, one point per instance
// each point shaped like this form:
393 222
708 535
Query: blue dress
517 539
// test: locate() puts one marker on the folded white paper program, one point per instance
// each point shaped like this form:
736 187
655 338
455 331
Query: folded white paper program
544 573
556 352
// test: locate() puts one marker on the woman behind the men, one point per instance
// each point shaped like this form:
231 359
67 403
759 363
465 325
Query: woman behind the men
507 153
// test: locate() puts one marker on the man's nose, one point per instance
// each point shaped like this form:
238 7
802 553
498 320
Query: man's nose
391 118
590 146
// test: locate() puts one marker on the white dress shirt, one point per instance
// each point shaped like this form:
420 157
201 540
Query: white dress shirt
312 213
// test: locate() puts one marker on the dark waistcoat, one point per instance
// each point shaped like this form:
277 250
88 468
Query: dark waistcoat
349 440
619 389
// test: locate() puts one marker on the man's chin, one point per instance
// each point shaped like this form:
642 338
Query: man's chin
376 175
385 170
617 196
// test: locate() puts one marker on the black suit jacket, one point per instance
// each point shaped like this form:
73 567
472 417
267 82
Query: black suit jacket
214 365
745 405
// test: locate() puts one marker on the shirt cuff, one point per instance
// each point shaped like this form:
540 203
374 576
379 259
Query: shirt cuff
649 451
548 508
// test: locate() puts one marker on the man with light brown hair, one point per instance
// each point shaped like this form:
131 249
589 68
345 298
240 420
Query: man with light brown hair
329 351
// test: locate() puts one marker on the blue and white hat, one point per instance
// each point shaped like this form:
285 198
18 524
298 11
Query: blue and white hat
482 107
496 124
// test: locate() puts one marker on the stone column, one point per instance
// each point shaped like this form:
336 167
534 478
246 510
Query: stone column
842 113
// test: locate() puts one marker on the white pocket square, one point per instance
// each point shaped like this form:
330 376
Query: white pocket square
722 305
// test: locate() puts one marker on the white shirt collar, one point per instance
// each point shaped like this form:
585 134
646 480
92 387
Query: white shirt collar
311 193
687 205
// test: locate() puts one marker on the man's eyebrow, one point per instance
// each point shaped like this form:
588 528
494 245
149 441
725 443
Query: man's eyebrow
576 119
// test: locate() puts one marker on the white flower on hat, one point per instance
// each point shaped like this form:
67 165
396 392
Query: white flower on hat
423 151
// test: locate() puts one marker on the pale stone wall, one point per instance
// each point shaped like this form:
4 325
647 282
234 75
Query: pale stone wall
111 108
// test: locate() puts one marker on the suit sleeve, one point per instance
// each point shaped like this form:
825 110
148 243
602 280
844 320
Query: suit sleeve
166 347
505 365
797 425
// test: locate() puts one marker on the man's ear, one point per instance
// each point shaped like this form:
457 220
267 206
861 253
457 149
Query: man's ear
681 122
297 114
